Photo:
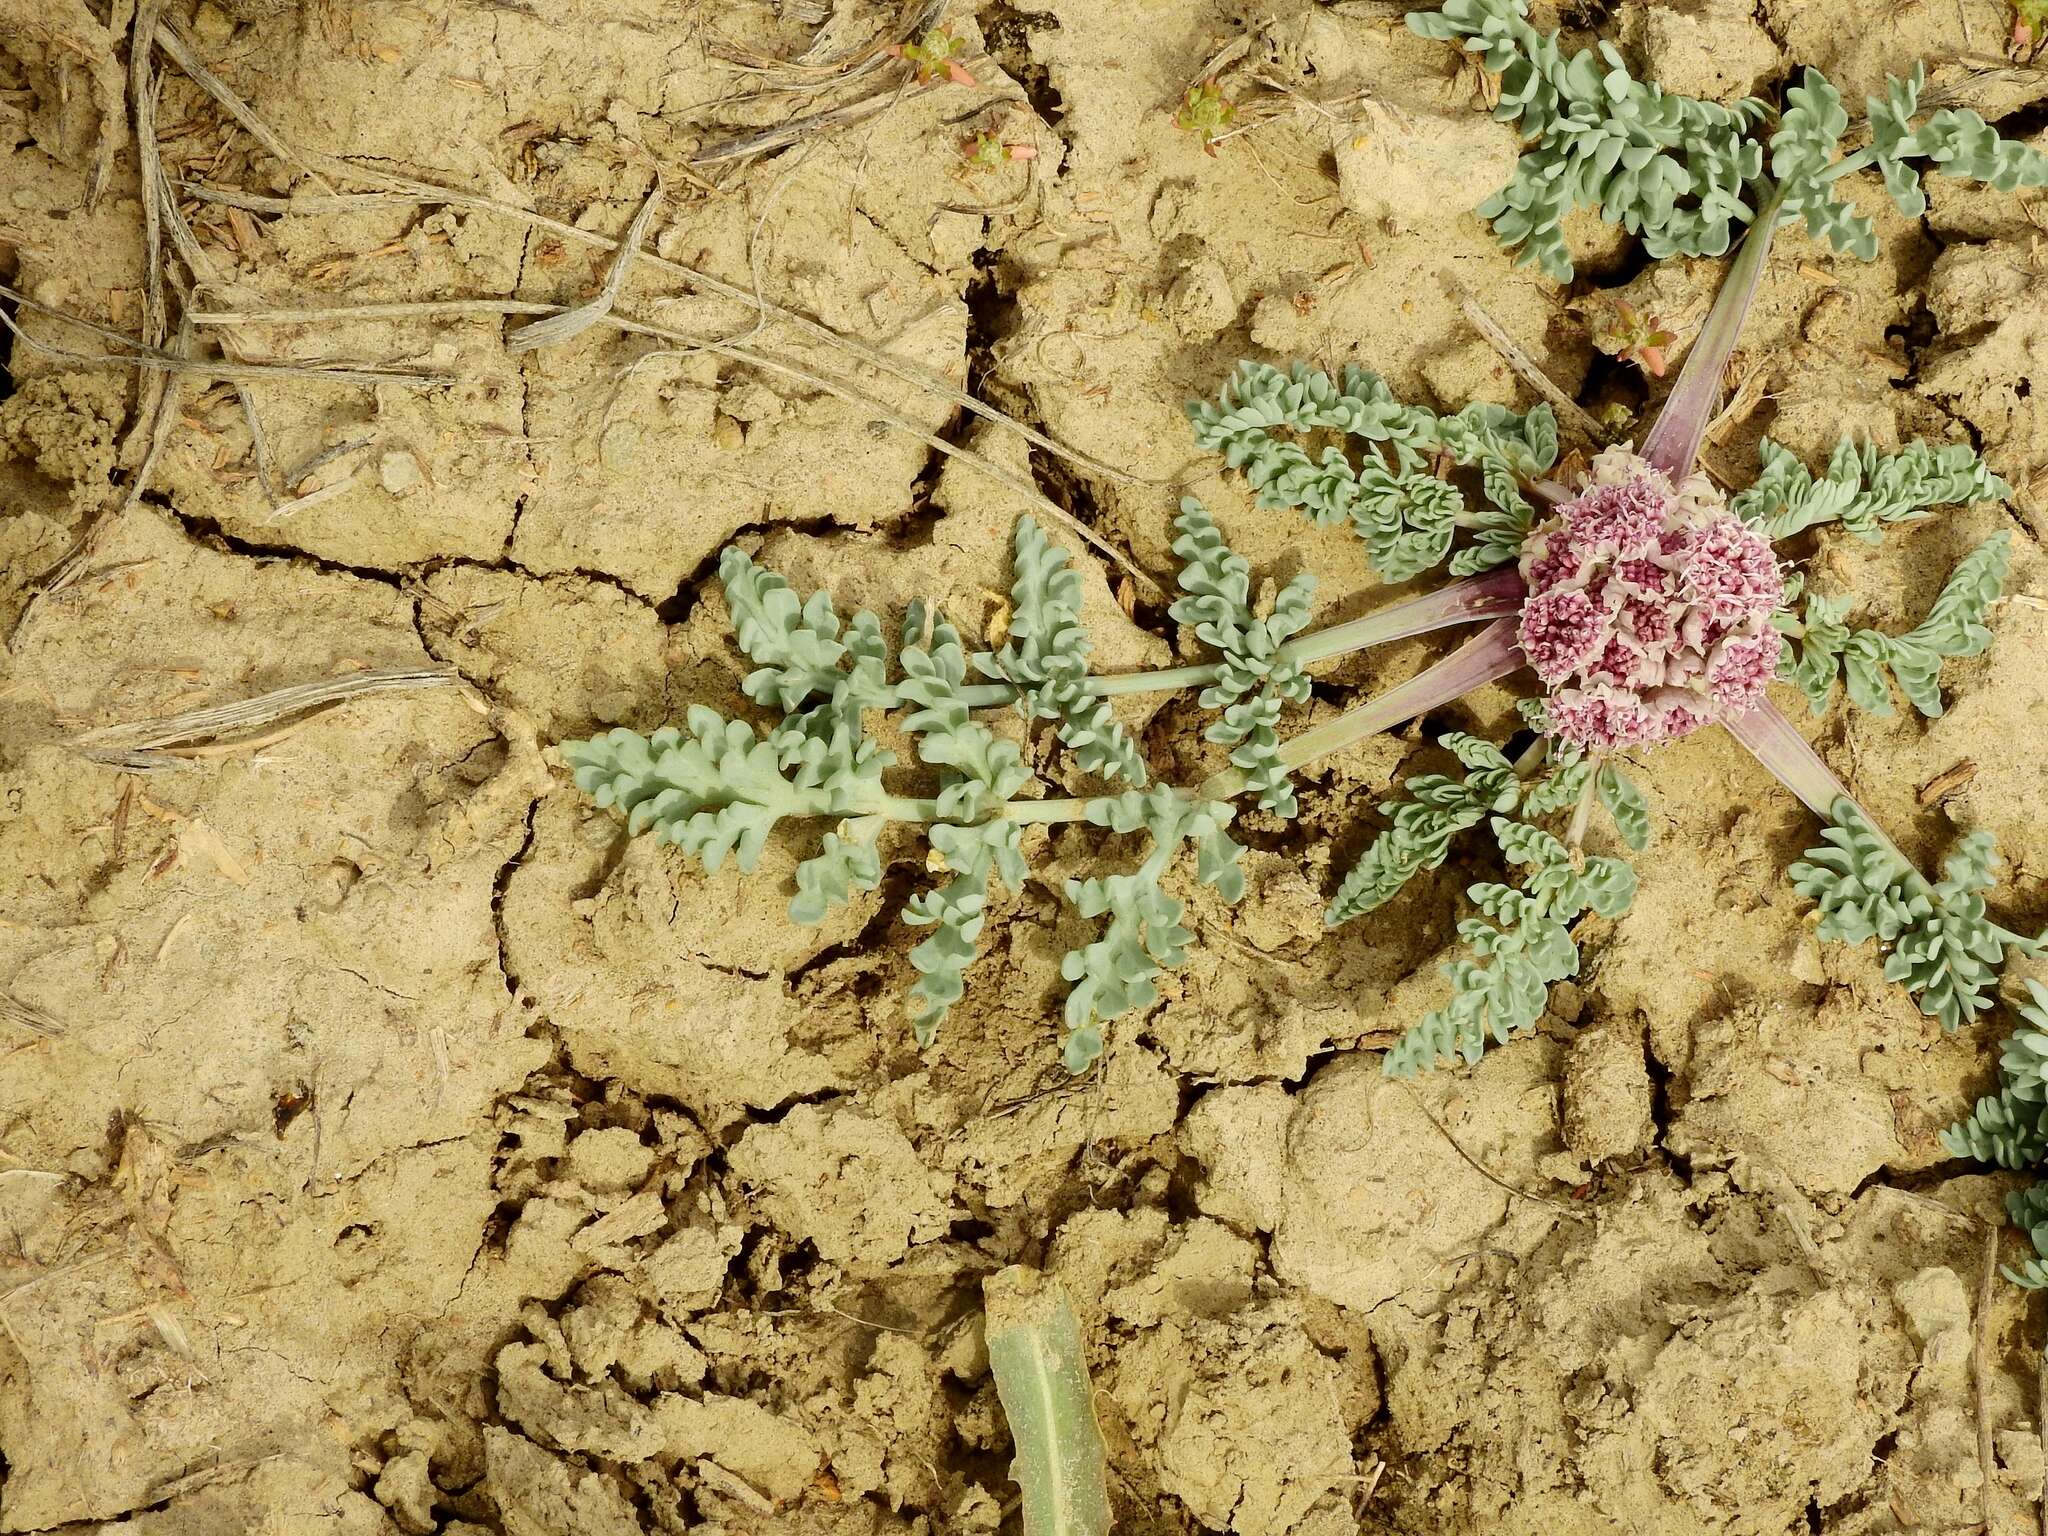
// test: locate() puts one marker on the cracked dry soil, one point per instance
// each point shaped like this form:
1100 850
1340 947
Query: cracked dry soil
406 1151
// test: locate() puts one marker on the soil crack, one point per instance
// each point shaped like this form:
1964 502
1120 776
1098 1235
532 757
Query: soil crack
500 884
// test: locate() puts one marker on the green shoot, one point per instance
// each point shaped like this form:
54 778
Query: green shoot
1206 113
1041 1371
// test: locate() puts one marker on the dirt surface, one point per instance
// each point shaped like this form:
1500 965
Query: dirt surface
397 1148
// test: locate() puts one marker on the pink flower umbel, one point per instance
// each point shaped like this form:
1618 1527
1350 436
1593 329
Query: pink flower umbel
1649 608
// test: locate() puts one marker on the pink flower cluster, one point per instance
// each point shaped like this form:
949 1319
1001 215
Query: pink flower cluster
1649 608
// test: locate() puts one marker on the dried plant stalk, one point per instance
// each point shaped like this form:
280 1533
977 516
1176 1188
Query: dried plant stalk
574 322
752 356
14 1011
158 360
143 745
406 189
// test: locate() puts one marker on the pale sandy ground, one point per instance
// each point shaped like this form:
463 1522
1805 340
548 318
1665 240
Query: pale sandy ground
418 1155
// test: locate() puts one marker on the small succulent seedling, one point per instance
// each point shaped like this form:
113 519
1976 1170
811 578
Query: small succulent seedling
1206 113
985 151
935 57
1645 604
1634 337
2029 24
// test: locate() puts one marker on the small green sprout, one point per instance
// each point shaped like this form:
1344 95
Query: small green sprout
1207 113
934 57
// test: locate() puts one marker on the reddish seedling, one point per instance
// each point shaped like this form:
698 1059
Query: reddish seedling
935 57
2029 26
987 151
1635 337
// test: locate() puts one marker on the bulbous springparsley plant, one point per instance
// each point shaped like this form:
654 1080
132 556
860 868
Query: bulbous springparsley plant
1643 604
1684 174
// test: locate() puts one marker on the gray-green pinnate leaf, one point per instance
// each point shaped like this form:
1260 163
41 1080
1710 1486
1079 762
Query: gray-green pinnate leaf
1891 140
1863 888
2002 1129
1942 946
1687 174
1562 786
1046 657
1217 601
1502 526
983 771
1610 885
1251 728
2029 1211
1436 809
1824 647
1521 843
1419 839
2010 1127
1802 151
1962 144
795 642
1090 729
1949 959
1520 945
1046 637
2023 1062
716 788
1483 434
1863 489
1170 818
1490 1002
956 912
828 879
979 773
1958 143
1404 513
1955 626
1683 173
1217 855
712 789
1407 521
1258 400
1117 972
1812 658
1217 604
1564 887
822 675
1625 803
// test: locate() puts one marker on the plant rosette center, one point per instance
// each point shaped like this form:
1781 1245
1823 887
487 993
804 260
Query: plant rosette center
1649 608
